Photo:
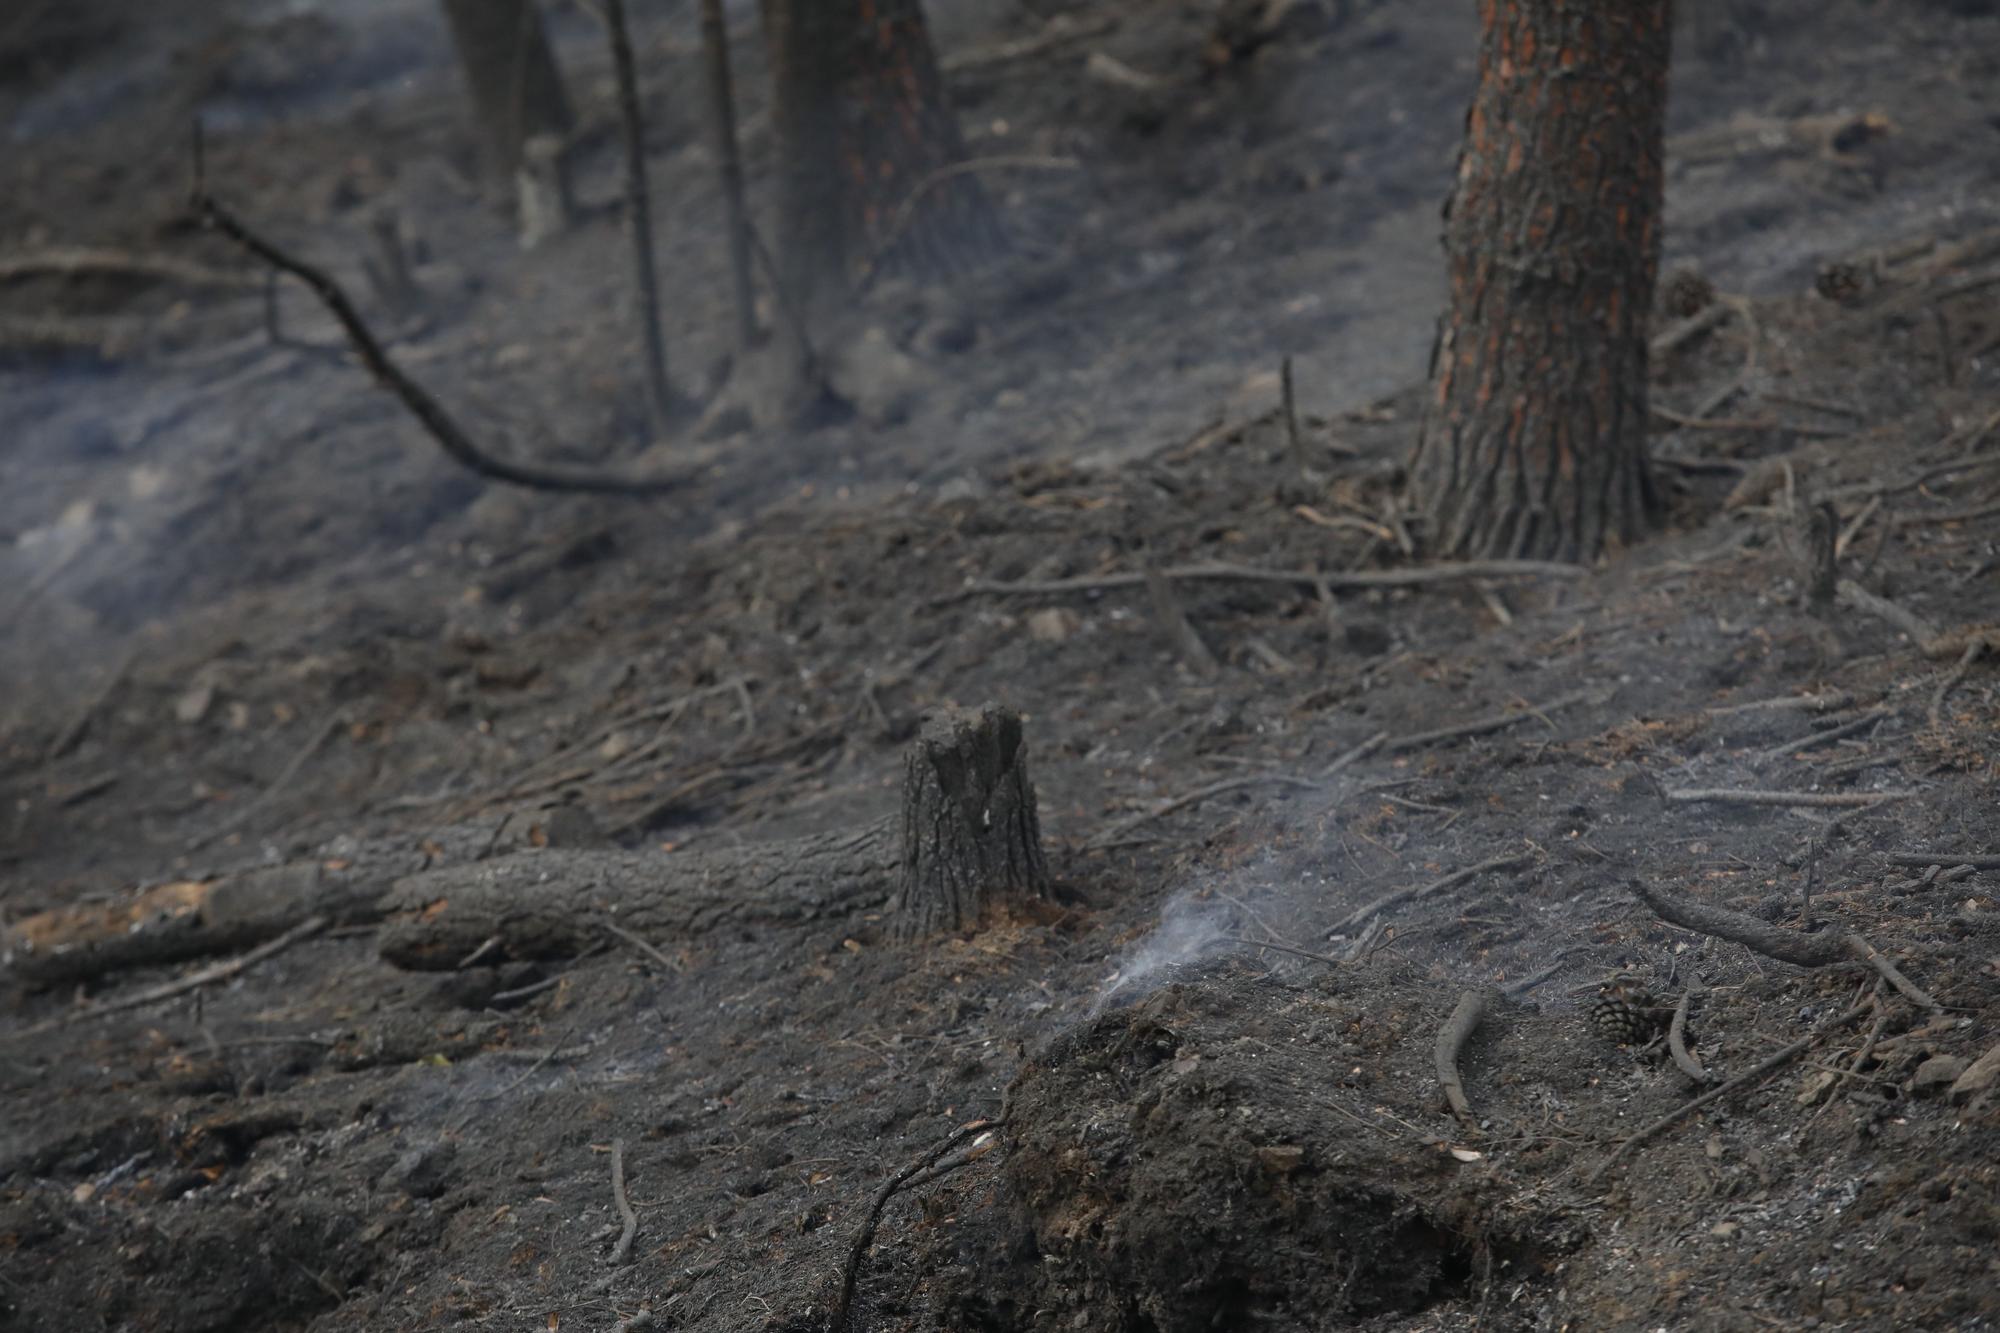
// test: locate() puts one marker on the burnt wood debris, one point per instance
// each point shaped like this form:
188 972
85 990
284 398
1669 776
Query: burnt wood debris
1094 790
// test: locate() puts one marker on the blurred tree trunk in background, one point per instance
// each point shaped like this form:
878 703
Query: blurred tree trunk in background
865 141
729 161
517 90
1534 440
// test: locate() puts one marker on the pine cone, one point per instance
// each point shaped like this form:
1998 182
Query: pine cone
1844 281
1686 292
1627 1013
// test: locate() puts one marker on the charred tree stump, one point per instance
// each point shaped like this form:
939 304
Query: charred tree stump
1534 440
971 837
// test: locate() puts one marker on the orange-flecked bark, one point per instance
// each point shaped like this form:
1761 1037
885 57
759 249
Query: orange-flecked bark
1534 441
865 139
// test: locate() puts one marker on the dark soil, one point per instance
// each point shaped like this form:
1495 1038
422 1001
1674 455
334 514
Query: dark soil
255 619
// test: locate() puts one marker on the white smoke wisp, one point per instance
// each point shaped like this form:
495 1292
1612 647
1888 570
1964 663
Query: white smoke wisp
1187 928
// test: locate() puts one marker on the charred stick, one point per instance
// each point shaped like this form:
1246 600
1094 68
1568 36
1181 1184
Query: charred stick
193 981
1484 726
1814 703
1796 799
851 1273
623 1249
1451 572
1451 1041
1354 755
1515 989
1921 859
1674 1117
1199 794
1408 892
1677 1040
277 787
428 411
1292 949
1951 679
1847 728
637 942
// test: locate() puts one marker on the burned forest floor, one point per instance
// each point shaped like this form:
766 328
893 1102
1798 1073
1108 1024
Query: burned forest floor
282 691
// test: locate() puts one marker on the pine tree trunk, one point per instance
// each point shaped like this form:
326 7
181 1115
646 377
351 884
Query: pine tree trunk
865 137
971 837
1534 442
517 89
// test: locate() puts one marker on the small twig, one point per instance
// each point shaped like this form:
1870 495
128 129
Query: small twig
1855 525
1813 703
1966 515
623 1249
523 992
1677 1040
636 1322
533 1069
1674 1117
741 688
68 262
641 945
1861 1057
1178 630
1797 799
1353 756
1861 949
1450 1041
1515 989
1412 576
1693 326
1345 522
1199 794
1848 728
1950 681
1976 860
1414 891
1858 597
278 784
1690 422
1483 726
1751 337
490 944
1289 410
899 221
1816 404
1249 943
193 981
79 724
851 1273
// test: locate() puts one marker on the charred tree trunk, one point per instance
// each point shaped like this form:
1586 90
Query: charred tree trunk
722 119
517 90
639 219
1534 441
866 143
971 838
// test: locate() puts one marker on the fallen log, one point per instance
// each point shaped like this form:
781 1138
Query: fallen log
170 923
553 904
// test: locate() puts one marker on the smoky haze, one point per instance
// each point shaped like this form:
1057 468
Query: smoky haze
1178 226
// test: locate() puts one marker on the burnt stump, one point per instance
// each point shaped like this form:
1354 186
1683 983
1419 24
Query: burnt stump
971 836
